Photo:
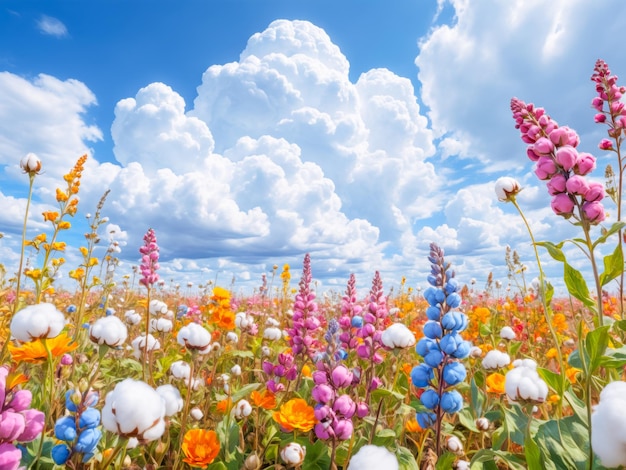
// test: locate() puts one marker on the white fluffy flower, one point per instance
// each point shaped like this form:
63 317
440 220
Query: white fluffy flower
398 336
231 337
180 370
37 321
462 465
108 330
134 409
196 413
507 333
265 351
157 307
30 163
139 343
161 325
370 457
132 317
293 454
171 397
522 383
195 337
454 445
507 187
241 409
608 425
495 359
272 322
272 333
243 321
236 370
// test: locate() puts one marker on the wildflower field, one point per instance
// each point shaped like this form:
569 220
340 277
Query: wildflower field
126 373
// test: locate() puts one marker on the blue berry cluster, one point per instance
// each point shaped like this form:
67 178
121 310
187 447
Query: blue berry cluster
442 346
79 430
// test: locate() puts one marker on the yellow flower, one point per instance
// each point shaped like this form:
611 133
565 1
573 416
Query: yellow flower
266 400
61 196
64 225
33 273
224 405
35 352
495 383
59 246
412 426
84 251
295 414
50 216
92 262
552 353
306 371
571 373
200 447
77 274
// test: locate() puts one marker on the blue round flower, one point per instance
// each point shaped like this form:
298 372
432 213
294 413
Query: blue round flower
69 404
60 454
454 320
433 313
65 428
357 321
454 373
109 311
432 329
453 300
434 358
430 399
70 309
426 419
450 342
90 418
341 355
440 296
451 401
429 295
88 440
451 286
462 350
424 345
421 375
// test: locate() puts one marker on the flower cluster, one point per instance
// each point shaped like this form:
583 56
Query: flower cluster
442 345
305 320
558 162
149 259
351 317
523 383
610 109
79 430
286 368
18 422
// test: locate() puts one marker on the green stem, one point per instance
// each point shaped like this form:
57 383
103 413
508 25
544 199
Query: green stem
19 271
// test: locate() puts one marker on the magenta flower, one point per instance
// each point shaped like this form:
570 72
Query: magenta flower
305 319
149 259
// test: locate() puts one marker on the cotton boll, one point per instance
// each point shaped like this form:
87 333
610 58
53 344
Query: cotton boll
37 321
293 454
242 409
398 336
132 317
161 325
171 397
134 409
108 330
370 457
196 413
158 307
272 333
195 337
524 384
495 359
180 370
139 343
608 425
507 333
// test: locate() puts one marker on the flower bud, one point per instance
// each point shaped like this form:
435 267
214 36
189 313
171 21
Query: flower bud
293 454
454 445
30 164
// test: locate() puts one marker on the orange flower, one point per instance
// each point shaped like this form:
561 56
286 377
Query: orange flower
552 353
224 405
266 400
571 373
295 414
306 371
50 216
224 319
35 352
200 447
495 383
412 426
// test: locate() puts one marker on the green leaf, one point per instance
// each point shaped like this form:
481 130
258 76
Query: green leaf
484 459
533 454
613 265
406 460
445 461
576 285
596 343
477 398
553 380
554 250
244 391
616 227
564 442
384 438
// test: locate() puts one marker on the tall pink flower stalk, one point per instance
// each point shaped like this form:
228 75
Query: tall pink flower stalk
351 318
560 164
149 266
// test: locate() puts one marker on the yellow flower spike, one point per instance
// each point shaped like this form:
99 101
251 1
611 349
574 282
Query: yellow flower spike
84 251
59 246
77 274
61 196
50 216
64 225
33 273
92 262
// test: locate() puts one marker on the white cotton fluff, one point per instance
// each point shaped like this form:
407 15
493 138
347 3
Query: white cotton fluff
496 359
108 330
522 383
132 317
134 409
195 337
507 333
37 321
370 457
399 336
161 325
608 425
180 370
139 343
293 454
272 333
158 307
172 398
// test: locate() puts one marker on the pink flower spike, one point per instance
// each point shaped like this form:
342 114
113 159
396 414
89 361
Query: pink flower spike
567 156
563 205
34 425
594 212
597 103
10 456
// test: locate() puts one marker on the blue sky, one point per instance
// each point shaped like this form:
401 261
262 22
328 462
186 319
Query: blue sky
247 133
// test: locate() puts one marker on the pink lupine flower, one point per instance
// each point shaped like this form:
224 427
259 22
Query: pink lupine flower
566 157
594 211
304 320
585 164
595 192
149 259
562 204
556 185
605 144
576 184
